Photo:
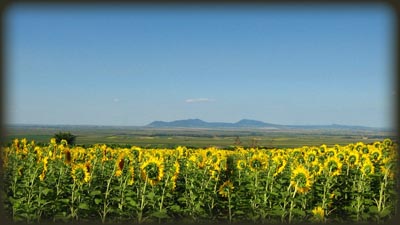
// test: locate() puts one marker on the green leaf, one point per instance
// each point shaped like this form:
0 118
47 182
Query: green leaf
83 205
175 208
239 212
46 191
94 193
97 201
182 199
299 212
160 214
151 195
64 200
384 213
168 195
130 193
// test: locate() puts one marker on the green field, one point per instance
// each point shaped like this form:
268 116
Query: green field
198 138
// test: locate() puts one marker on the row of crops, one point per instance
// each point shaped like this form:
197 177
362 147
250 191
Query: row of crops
356 182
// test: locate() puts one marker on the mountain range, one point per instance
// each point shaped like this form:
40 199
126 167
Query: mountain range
244 123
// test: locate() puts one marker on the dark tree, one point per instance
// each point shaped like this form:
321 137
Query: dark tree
65 136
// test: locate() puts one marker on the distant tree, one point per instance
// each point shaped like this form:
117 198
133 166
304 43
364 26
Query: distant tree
70 138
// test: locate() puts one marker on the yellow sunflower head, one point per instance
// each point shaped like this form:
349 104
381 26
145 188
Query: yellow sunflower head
152 171
132 175
301 179
68 156
375 155
119 164
310 156
367 167
318 213
316 168
353 158
359 146
214 174
365 149
387 142
333 166
80 174
322 149
226 189
341 156
330 152
280 163
177 168
53 141
257 163
15 142
240 164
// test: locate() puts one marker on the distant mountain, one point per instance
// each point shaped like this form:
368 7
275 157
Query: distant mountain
180 123
245 123
254 123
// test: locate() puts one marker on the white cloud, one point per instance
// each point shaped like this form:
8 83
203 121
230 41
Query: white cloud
195 100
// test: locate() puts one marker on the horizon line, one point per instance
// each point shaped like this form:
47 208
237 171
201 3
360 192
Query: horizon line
146 125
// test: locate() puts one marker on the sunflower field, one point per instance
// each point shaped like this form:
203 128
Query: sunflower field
356 183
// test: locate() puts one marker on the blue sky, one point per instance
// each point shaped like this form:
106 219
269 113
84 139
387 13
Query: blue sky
131 65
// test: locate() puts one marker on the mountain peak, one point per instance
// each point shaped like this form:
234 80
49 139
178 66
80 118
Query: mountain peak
202 124
244 123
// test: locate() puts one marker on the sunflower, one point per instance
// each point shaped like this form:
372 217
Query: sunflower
80 173
214 161
310 157
330 152
322 149
297 152
119 164
280 163
175 176
365 149
359 146
341 156
152 170
387 143
316 168
353 158
132 173
256 163
333 166
318 213
301 179
226 189
367 167
375 155
240 164
43 174
214 174
68 157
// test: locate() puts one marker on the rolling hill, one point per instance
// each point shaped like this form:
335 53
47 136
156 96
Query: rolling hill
245 123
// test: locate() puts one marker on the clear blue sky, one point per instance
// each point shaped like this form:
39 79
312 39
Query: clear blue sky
131 65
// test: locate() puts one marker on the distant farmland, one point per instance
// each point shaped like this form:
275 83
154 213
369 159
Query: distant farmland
198 137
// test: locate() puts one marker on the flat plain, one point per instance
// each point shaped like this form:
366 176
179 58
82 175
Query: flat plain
198 137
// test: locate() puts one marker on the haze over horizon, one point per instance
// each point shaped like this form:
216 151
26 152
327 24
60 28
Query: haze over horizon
308 65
